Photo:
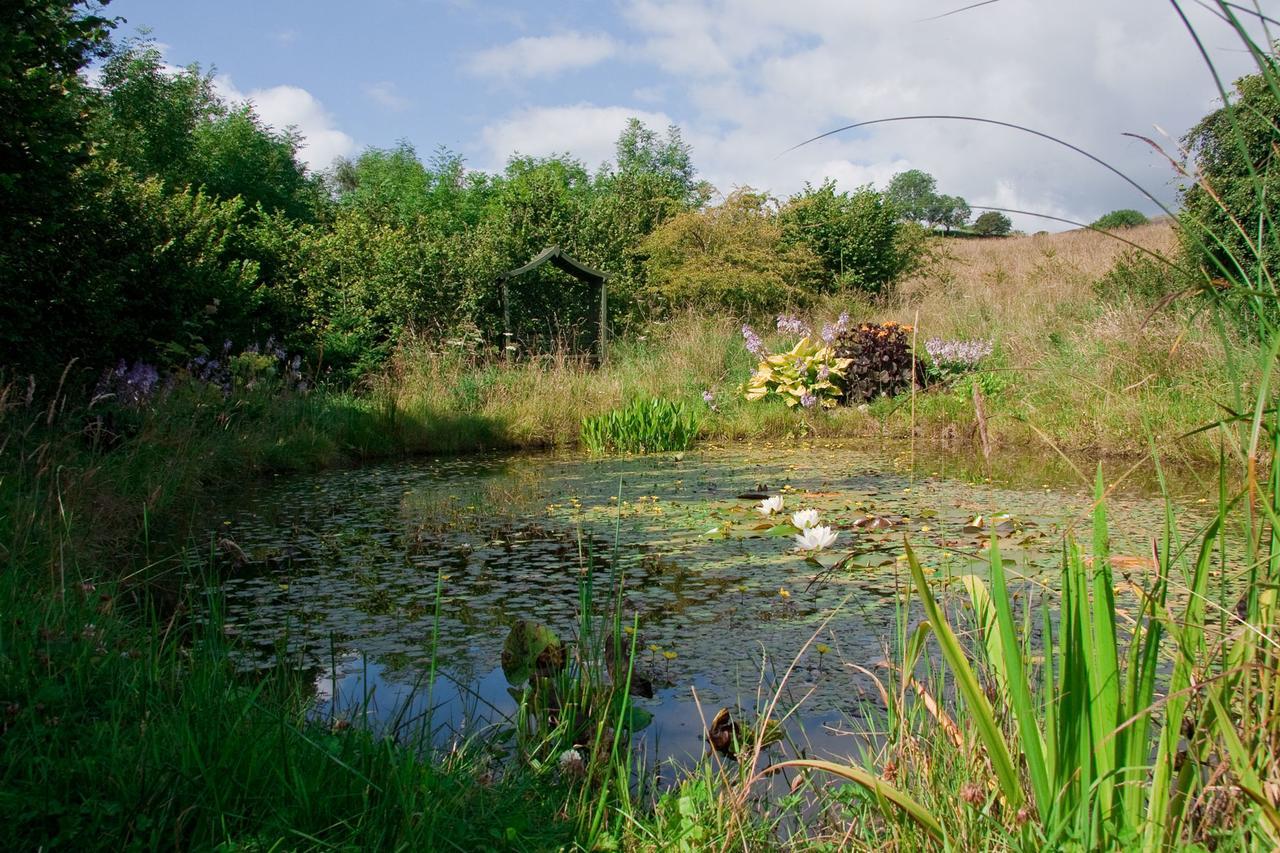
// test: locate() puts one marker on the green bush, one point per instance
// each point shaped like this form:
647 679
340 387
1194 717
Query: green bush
1230 210
1120 219
643 426
1139 277
731 257
854 235
992 223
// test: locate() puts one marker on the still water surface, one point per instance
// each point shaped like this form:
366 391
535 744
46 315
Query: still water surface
340 572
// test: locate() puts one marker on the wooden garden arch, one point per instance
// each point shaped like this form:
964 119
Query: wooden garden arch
557 257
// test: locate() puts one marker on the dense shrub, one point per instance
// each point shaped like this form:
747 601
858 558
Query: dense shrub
854 235
1139 277
731 257
992 223
1235 192
1120 219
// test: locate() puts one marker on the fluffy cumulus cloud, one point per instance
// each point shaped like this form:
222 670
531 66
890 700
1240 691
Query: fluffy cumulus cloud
542 56
748 79
587 132
292 106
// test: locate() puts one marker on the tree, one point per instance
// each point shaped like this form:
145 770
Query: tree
992 223
912 192
1120 219
855 235
44 102
949 211
639 152
172 125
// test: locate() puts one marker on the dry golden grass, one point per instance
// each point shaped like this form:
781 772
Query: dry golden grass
1105 375
1015 284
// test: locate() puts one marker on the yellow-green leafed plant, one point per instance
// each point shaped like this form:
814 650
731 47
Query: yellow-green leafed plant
808 375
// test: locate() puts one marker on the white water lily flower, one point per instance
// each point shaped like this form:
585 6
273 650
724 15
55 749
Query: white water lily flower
804 519
769 506
816 538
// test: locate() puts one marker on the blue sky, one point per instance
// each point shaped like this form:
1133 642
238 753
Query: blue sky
745 79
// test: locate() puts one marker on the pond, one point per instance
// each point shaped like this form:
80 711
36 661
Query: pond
338 572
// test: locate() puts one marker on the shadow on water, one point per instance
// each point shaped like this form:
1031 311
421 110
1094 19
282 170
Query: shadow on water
337 572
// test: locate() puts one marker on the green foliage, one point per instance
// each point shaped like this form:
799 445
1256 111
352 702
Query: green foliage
642 426
992 223
731 257
1125 218
808 375
1142 278
174 126
118 734
855 235
1230 210
43 145
880 360
1080 726
949 211
911 193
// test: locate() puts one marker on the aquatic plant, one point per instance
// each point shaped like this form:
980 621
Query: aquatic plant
643 426
770 505
816 538
804 519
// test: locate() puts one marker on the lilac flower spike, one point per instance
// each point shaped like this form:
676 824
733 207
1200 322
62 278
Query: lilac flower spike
789 324
754 345
808 400
958 353
831 331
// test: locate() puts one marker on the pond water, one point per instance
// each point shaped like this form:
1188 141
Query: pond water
338 572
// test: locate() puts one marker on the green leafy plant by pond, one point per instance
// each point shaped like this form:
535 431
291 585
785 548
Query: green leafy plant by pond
643 426
807 375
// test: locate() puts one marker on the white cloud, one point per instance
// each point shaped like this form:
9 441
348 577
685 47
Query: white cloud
759 76
587 132
292 106
542 56
385 94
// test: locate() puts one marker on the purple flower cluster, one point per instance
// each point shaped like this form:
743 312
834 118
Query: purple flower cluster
789 324
808 400
831 331
962 354
708 397
754 345
129 385
138 384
